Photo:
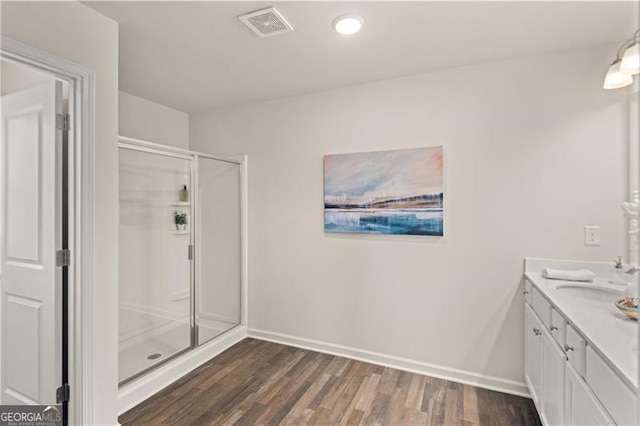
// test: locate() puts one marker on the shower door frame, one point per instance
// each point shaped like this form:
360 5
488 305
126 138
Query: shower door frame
192 326
193 156
243 293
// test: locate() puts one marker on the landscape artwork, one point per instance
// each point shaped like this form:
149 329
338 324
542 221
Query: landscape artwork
387 192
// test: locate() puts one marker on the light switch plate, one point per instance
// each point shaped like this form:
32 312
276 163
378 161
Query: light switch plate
591 235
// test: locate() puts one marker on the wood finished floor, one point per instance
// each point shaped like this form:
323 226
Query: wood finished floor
262 383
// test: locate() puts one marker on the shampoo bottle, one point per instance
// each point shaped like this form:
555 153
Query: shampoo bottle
184 194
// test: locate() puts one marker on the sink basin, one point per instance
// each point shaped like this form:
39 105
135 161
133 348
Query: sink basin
592 292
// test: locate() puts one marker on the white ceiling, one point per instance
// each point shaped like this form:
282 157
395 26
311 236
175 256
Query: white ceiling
194 56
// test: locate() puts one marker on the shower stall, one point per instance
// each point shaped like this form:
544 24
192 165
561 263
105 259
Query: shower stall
180 260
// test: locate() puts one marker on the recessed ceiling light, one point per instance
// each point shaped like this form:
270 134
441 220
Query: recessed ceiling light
348 24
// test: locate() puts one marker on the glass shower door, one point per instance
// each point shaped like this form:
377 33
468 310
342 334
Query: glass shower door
218 287
155 310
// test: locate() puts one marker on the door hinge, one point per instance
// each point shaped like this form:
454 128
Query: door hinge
63 122
63 257
190 252
63 393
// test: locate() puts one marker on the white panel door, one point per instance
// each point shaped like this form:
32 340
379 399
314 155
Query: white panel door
30 234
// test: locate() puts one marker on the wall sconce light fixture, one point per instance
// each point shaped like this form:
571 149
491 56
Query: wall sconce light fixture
626 64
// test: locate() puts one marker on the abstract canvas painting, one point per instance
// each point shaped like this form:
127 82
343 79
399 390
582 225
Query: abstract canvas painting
387 192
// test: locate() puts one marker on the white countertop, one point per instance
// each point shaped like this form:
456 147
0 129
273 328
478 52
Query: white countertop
603 326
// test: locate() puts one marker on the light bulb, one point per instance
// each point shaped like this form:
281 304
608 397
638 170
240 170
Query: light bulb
616 79
348 24
631 60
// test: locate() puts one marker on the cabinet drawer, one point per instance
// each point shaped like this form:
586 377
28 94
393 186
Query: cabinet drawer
575 347
527 291
558 327
541 306
620 401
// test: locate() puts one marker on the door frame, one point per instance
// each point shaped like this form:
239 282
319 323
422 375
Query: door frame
80 206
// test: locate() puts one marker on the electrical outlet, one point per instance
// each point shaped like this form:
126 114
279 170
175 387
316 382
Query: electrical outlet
591 235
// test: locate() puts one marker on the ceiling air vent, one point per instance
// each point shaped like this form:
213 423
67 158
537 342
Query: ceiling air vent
266 22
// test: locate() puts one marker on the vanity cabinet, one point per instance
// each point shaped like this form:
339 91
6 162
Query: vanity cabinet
614 395
569 382
544 369
533 354
582 406
554 362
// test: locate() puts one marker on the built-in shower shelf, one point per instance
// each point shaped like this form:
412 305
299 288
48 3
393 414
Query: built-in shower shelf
187 232
180 204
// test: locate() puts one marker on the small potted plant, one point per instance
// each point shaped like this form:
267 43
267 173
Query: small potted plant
180 218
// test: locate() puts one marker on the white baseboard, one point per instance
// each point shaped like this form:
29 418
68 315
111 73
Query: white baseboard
137 391
412 366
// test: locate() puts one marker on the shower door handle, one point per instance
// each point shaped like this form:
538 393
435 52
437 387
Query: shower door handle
190 252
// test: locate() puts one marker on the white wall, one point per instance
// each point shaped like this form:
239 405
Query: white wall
534 151
79 34
146 120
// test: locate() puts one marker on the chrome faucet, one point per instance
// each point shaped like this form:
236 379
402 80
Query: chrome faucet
632 270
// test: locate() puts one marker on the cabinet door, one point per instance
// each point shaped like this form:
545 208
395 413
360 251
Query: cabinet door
554 362
581 405
533 354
